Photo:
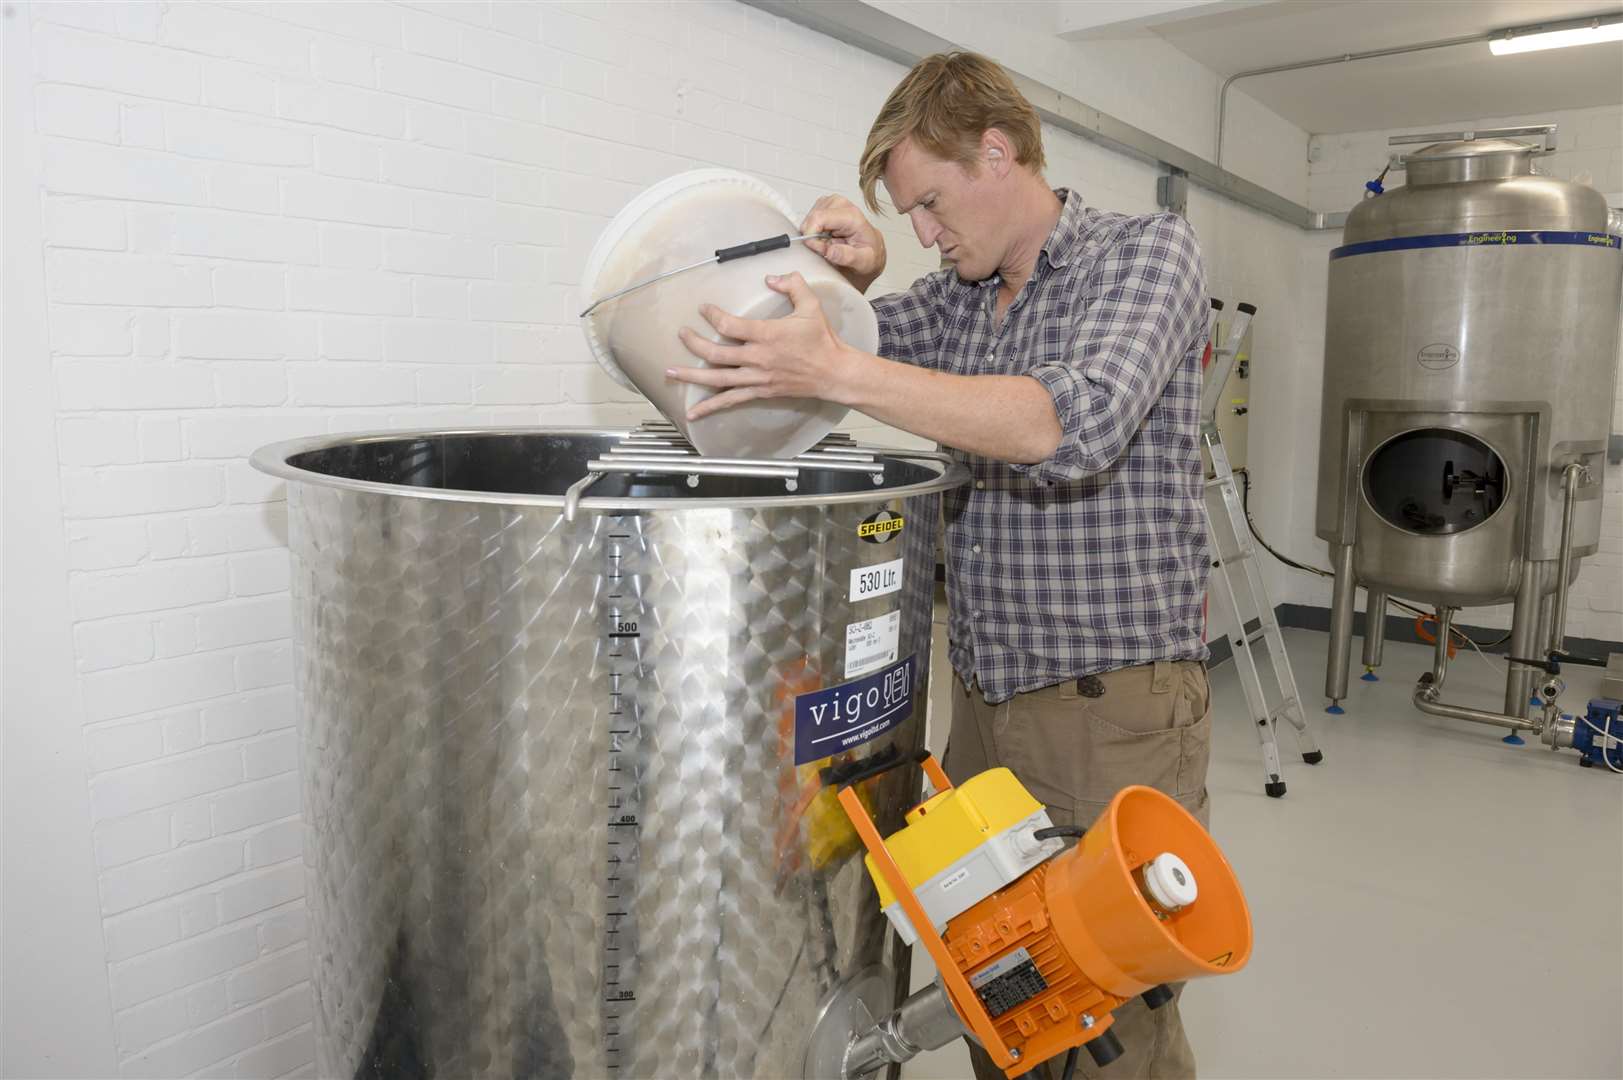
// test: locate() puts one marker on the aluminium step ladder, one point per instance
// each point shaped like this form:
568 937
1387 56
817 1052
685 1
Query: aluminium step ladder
1234 557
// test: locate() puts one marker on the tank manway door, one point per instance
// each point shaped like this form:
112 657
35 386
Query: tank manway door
620 666
1434 481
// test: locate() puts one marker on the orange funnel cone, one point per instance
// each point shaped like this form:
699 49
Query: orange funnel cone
1121 940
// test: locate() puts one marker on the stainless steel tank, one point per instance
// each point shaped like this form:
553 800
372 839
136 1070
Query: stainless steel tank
1470 359
560 763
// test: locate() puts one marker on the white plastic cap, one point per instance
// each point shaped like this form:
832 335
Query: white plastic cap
1170 882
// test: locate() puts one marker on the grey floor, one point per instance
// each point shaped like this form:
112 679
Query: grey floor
1428 902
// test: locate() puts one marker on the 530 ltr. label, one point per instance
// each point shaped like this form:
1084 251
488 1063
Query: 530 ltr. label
883 579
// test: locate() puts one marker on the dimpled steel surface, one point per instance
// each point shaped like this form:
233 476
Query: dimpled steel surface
536 849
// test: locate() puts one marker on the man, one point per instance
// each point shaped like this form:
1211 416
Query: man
1059 355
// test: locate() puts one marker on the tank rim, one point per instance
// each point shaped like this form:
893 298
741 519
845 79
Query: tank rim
272 460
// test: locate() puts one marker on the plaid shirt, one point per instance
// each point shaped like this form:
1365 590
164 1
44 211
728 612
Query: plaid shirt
1094 559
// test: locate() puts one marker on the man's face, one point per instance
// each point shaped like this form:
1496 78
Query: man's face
953 208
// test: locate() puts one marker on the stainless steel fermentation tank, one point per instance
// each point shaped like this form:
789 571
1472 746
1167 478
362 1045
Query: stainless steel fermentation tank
1469 373
560 762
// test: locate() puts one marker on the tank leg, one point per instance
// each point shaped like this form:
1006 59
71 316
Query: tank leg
1546 615
1341 626
1374 634
1523 642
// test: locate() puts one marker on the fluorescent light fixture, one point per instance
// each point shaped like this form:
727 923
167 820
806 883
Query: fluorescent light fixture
1558 35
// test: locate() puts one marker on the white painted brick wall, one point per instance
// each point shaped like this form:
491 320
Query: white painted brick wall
1589 148
269 220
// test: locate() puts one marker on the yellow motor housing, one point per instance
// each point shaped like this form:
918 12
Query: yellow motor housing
962 844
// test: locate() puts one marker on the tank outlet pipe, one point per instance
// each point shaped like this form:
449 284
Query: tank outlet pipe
925 1021
1428 691
1572 477
1559 730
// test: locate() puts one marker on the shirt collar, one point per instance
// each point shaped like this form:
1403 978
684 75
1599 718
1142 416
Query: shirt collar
1064 242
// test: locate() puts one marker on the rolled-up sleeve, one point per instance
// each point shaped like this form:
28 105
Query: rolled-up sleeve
911 322
1149 310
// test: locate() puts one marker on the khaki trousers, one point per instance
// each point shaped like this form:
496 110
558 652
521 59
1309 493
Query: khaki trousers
1074 746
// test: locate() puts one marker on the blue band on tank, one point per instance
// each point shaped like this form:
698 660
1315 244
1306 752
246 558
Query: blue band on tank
1492 238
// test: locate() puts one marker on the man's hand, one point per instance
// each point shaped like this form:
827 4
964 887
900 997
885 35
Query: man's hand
795 356
856 249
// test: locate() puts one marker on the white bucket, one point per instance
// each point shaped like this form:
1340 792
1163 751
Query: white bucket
680 221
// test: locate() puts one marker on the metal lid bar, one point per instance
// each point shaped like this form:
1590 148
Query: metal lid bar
649 450
659 449
703 466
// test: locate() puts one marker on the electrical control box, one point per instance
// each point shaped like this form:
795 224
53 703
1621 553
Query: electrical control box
1234 406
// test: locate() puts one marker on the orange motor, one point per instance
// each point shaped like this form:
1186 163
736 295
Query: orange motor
1037 966
1097 933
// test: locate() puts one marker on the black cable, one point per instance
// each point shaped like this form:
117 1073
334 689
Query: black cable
1070 1065
1245 505
1052 831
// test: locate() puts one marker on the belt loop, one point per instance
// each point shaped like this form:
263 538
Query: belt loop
1161 680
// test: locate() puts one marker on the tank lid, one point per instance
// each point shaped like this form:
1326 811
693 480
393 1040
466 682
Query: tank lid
1470 159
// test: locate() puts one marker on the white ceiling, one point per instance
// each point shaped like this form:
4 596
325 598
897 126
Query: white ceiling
1439 85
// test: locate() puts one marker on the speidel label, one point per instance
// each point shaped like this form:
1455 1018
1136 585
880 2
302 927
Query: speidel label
838 718
881 528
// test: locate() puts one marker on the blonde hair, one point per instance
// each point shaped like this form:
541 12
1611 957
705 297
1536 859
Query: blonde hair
945 104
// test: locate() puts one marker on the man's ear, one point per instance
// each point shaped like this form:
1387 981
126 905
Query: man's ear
998 153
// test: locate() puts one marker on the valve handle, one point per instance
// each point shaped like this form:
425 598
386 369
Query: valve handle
1551 665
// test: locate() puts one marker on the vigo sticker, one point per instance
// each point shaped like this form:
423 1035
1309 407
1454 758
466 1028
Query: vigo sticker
868 582
838 718
871 643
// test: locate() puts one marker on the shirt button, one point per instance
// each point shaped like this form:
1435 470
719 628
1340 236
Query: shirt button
976 549
974 614
980 485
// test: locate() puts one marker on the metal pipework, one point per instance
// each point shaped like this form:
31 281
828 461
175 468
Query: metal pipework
924 1021
893 38
1574 474
1369 54
1425 699
1429 690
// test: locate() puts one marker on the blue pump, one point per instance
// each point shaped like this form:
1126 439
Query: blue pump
1600 740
